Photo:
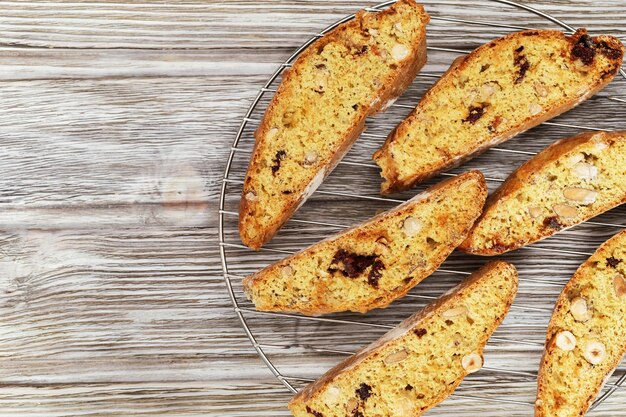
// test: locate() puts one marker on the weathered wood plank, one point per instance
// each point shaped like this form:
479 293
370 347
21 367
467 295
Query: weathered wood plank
116 119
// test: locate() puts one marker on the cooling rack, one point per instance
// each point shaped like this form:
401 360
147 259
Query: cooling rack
298 349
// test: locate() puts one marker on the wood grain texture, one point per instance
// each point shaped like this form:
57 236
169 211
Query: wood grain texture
116 119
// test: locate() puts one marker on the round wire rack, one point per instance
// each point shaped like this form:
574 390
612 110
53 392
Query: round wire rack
297 349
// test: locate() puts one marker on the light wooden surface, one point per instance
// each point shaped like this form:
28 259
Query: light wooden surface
116 119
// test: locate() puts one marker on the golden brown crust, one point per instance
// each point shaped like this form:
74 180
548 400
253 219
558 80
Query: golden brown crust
522 178
491 270
572 394
368 233
385 159
254 232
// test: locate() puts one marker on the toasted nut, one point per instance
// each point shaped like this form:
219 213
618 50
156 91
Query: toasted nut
373 32
399 52
320 83
454 312
471 96
540 89
403 407
332 395
457 339
535 109
421 117
600 145
585 171
565 211
396 357
619 284
352 404
576 158
381 246
286 271
310 158
289 117
565 340
412 226
595 352
251 197
486 91
271 133
472 362
535 211
580 195
579 310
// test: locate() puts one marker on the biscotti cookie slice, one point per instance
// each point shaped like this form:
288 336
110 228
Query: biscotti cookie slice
320 108
374 263
569 182
498 91
419 363
587 334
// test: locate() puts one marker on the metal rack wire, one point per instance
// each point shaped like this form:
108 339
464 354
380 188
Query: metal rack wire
231 187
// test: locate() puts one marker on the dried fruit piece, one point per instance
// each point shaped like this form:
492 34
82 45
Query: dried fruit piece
364 391
350 264
521 61
396 357
454 312
585 49
580 195
472 362
313 412
619 284
565 211
579 310
474 113
565 340
419 333
613 261
375 274
595 352
411 226
278 159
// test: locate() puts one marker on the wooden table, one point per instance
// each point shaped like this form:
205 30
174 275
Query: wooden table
116 119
